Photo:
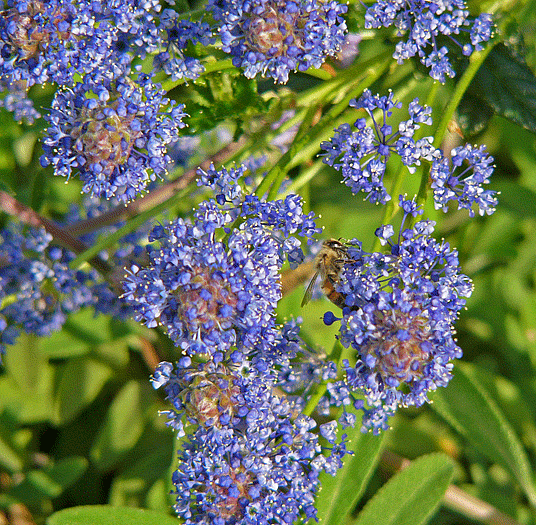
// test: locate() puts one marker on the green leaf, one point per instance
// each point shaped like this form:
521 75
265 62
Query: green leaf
26 364
108 515
222 95
339 494
80 382
124 424
515 198
473 114
67 471
50 482
80 333
148 469
10 459
412 495
471 411
506 84
132 486
26 389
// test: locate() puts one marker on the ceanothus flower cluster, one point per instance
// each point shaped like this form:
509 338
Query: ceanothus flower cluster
275 37
424 22
214 286
58 40
362 156
246 456
179 33
399 318
113 132
249 458
38 289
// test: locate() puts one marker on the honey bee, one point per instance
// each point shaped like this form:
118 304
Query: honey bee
328 265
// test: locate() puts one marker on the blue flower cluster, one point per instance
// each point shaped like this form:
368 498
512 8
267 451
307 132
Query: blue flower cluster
399 315
38 289
461 179
362 156
55 41
248 459
114 132
275 37
424 22
212 286
179 33
212 280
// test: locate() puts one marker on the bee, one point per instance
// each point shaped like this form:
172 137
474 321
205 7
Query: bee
328 265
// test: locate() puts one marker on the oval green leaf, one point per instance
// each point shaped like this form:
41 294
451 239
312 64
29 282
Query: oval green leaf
108 515
411 496
123 426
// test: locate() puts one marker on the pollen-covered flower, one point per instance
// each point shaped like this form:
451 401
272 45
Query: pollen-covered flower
112 132
214 287
275 37
362 155
399 317
462 178
423 22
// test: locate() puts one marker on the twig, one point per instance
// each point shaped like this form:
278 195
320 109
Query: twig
153 198
25 214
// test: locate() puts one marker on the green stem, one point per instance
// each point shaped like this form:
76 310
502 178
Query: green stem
304 147
475 62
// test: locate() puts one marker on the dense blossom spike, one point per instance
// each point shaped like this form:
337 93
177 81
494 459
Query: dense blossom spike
56 40
214 294
399 316
249 460
112 132
275 37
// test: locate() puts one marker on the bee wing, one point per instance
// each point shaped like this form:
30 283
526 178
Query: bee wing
310 287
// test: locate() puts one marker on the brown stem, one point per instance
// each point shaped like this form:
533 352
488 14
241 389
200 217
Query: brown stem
290 279
25 214
153 198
